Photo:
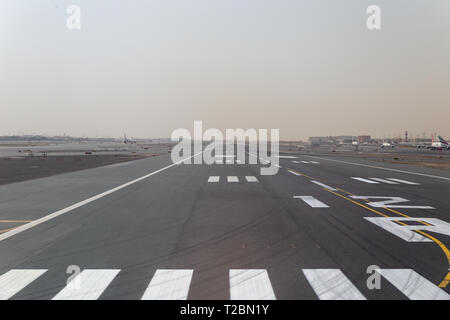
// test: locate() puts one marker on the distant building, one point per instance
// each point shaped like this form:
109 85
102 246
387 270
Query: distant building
363 139
318 141
338 140
345 139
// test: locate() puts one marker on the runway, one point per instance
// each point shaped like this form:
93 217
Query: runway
151 229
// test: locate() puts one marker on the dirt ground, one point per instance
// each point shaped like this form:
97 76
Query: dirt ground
20 169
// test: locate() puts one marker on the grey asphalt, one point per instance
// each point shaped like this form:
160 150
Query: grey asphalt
176 219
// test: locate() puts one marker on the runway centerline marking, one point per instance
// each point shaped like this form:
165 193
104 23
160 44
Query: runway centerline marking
384 180
403 181
55 214
365 180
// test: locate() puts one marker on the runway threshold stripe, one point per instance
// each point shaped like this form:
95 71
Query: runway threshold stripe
88 285
403 181
323 185
332 284
232 179
365 180
251 179
15 280
413 285
312 202
55 214
384 181
169 284
250 284
213 179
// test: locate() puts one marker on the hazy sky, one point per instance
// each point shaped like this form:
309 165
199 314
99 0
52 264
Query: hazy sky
307 67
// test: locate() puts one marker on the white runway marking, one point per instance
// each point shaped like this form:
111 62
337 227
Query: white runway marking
251 179
15 280
286 157
213 179
312 202
169 285
55 214
323 185
413 285
388 203
293 172
219 161
230 161
403 181
364 180
250 284
88 285
295 161
382 168
305 161
407 232
245 284
332 284
384 181
232 179
315 162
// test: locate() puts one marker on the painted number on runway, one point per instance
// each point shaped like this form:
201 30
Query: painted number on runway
406 232
389 202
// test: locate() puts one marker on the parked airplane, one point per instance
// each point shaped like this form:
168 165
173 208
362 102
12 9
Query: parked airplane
126 140
436 145
387 145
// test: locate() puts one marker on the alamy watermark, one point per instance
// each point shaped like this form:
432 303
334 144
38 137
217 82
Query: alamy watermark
374 19
205 147
73 21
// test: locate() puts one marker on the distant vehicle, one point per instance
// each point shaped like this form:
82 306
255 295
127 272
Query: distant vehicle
435 145
387 145
126 140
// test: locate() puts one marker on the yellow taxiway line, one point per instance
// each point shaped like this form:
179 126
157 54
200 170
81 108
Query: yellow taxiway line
446 280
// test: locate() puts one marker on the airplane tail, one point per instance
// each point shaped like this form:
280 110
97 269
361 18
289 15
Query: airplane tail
442 140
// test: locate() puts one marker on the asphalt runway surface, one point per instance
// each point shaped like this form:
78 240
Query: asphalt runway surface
151 229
